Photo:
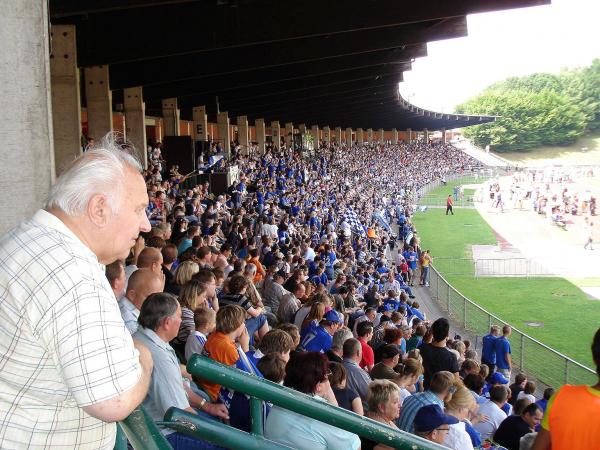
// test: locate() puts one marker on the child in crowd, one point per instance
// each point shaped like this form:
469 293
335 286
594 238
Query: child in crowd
205 322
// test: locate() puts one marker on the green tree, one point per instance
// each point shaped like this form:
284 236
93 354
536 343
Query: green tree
539 109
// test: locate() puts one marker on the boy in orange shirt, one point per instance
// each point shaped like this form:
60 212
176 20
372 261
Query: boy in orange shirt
221 344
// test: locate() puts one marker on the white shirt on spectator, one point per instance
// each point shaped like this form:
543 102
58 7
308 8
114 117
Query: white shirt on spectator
129 313
495 415
522 394
68 347
458 438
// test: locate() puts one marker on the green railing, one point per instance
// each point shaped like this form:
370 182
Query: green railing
144 434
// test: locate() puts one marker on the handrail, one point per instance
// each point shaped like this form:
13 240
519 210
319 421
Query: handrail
142 432
303 404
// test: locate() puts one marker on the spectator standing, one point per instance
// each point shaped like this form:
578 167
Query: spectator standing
57 301
436 357
449 204
488 350
566 424
503 358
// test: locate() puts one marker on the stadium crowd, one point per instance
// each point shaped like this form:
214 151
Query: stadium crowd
290 275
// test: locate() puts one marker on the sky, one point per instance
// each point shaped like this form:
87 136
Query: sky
502 44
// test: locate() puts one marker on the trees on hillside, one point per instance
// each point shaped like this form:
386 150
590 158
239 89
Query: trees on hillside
539 109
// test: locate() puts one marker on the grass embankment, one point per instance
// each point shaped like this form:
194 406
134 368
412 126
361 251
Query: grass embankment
438 196
568 316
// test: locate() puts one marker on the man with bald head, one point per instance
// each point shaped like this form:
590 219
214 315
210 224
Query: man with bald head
150 258
142 283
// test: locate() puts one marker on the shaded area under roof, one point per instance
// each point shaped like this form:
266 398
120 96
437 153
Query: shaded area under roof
315 62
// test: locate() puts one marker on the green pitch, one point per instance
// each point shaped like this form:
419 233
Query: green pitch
569 317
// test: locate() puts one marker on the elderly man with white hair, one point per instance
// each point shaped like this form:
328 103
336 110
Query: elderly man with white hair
70 368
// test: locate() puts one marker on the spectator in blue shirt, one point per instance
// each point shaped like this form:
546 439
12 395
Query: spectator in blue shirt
488 349
503 358
320 338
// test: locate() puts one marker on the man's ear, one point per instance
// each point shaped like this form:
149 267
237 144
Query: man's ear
98 210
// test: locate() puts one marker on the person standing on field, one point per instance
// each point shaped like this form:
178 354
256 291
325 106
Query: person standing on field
449 203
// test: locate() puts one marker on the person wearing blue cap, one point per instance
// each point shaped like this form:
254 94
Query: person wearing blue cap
320 338
432 424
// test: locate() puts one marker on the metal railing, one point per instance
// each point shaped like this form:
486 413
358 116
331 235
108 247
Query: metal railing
495 267
529 355
144 434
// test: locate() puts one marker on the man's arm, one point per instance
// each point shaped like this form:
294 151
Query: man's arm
119 407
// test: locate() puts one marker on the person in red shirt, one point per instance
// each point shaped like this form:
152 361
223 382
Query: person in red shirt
364 331
449 203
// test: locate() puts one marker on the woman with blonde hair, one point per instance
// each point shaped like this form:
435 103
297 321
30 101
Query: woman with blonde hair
191 296
460 406
185 272
383 400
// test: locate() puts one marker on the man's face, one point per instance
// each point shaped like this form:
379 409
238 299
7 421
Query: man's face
123 228
172 324
533 420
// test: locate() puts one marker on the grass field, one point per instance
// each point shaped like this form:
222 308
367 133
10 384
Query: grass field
568 317
567 155
438 196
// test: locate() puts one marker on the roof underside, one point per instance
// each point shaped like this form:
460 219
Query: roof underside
313 61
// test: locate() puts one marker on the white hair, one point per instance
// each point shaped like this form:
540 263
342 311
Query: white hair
100 170
250 268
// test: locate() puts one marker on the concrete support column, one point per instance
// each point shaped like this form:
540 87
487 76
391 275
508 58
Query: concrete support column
276 133
135 121
338 136
409 135
426 135
170 113
443 135
327 135
243 138
349 141
381 135
360 136
224 135
98 101
370 135
200 123
25 117
66 102
394 136
289 134
260 135
315 134
302 128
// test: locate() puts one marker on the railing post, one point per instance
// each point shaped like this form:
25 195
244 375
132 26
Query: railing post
448 297
465 311
566 371
256 415
522 358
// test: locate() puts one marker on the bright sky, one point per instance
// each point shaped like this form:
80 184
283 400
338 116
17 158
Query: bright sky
502 44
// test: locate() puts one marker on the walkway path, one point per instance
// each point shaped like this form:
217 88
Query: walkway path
489 159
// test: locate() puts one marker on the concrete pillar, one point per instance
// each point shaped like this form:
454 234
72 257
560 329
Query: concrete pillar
302 128
276 134
349 141
381 137
66 102
289 134
135 121
338 135
25 117
394 136
98 101
360 136
260 134
170 113
426 135
200 123
327 135
443 135
224 136
370 135
315 134
409 135
243 137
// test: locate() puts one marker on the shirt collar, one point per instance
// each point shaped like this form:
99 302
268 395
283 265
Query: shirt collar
49 220
130 306
150 334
